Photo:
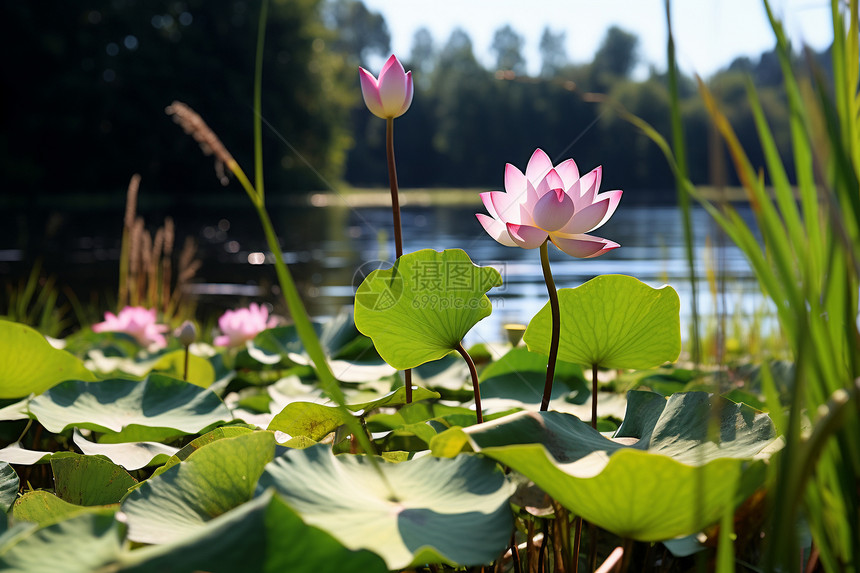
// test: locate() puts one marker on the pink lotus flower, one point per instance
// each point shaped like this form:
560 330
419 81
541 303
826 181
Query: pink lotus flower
135 321
552 203
243 324
391 96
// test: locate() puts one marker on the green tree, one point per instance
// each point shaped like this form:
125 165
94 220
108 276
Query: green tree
360 33
508 47
553 53
616 57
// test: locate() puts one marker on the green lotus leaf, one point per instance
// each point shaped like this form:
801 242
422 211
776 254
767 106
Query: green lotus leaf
612 321
156 407
89 480
622 487
199 442
306 419
437 511
517 380
350 354
130 455
8 486
45 508
395 398
200 371
16 410
209 482
420 309
14 453
31 365
80 544
263 534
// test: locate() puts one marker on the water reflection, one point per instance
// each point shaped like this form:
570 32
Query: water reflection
325 246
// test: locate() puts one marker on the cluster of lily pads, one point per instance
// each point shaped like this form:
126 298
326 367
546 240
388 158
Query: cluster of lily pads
131 450
122 464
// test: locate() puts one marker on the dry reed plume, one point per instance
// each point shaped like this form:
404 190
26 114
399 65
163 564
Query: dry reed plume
146 263
193 125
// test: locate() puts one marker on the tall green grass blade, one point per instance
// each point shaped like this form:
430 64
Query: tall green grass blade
679 147
800 145
299 314
779 179
258 101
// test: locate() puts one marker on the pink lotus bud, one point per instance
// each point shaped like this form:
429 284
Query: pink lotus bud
391 95
552 203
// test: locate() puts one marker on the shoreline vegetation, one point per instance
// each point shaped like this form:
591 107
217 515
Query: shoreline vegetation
346 196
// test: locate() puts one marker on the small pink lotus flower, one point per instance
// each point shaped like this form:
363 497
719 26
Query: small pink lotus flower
243 324
550 202
391 96
135 321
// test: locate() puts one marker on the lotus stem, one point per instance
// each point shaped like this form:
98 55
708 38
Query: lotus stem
556 325
474 372
594 396
395 211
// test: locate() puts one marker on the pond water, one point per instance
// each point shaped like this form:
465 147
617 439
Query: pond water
326 246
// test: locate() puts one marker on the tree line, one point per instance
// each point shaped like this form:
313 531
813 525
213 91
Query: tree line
83 99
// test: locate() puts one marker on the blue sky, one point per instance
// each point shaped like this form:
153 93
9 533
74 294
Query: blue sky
708 33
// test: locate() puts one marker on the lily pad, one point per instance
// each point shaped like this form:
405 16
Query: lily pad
623 487
420 309
81 544
8 486
613 321
31 365
130 455
350 354
263 534
313 421
517 380
197 443
45 508
16 454
210 482
437 511
89 480
156 404
200 371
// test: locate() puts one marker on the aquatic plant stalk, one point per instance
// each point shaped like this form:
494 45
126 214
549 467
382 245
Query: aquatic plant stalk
194 125
474 373
556 326
395 211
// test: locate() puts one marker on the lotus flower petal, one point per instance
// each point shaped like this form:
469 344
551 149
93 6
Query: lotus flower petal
515 181
392 86
496 229
526 236
506 207
568 171
582 246
585 189
594 215
553 210
539 165
488 204
407 101
370 92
